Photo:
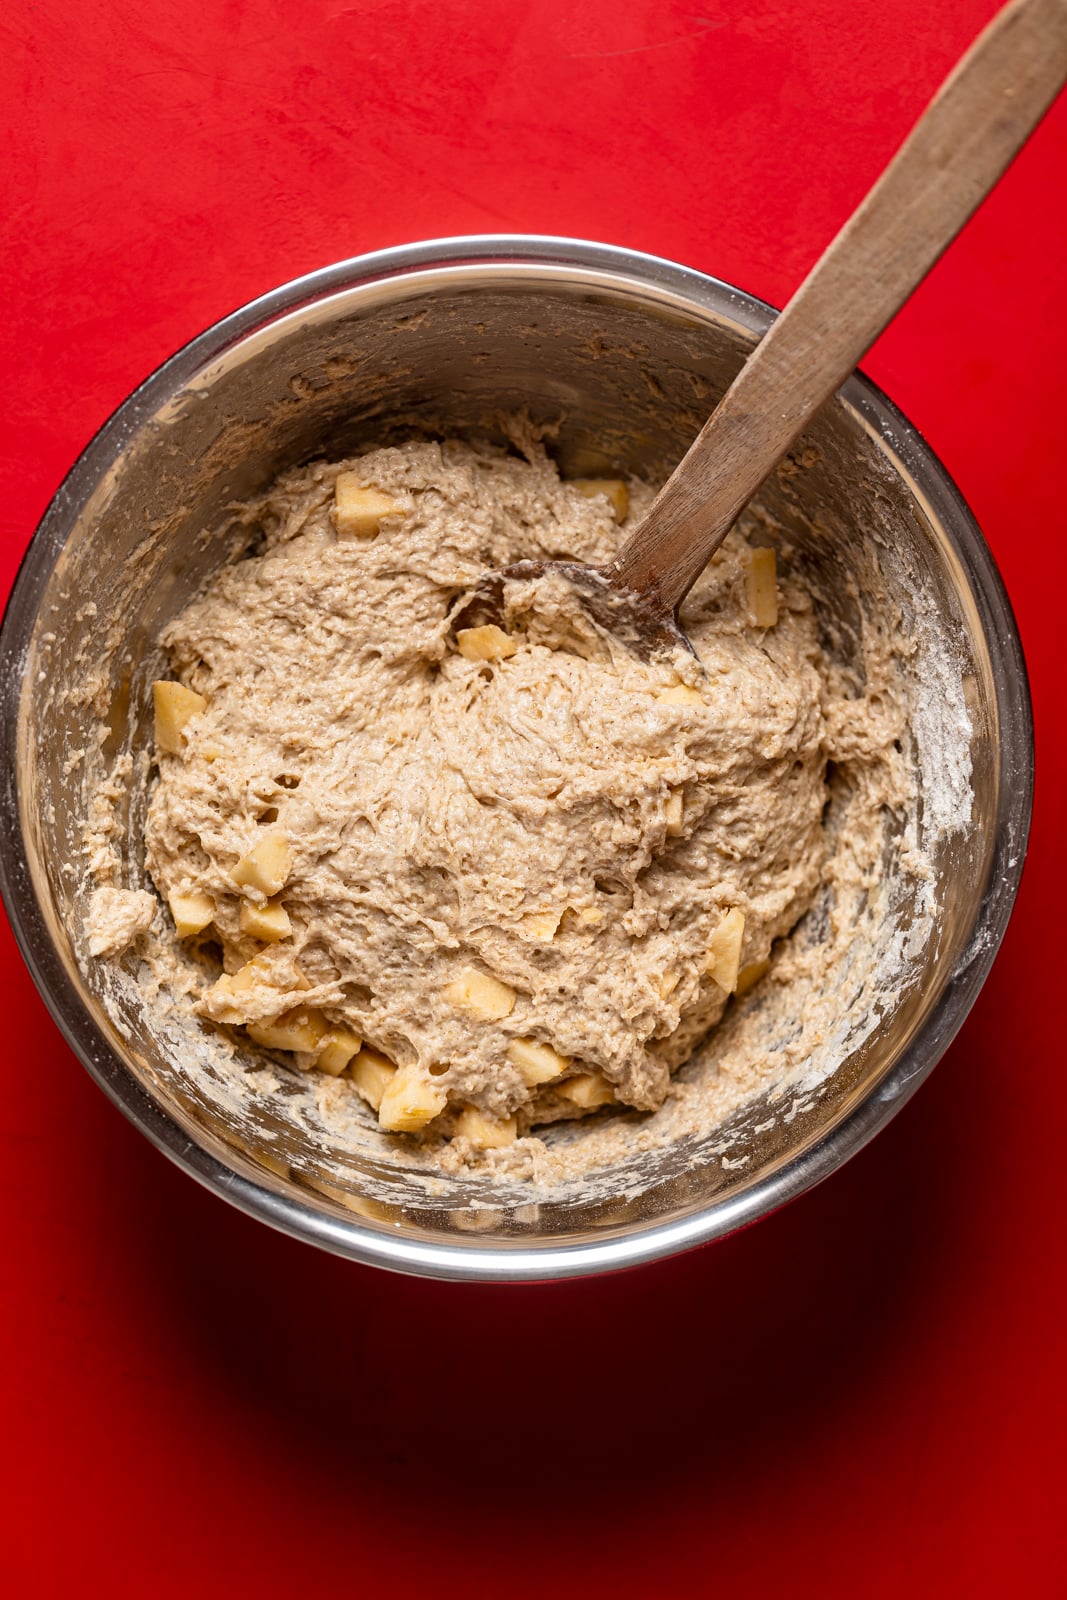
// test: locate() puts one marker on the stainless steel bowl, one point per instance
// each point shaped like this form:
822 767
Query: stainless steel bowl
627 354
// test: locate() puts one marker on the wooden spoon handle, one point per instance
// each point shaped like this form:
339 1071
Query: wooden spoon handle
978 120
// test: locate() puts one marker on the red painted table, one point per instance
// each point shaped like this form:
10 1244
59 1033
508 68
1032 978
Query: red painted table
864 1394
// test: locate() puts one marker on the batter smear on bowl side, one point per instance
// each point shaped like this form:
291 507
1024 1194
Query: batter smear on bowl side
499 879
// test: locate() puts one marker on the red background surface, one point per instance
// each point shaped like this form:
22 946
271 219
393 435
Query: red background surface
864 1394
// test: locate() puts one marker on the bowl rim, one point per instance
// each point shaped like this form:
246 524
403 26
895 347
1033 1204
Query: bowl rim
482 1259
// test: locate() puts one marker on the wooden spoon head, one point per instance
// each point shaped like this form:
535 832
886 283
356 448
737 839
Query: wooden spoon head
617 613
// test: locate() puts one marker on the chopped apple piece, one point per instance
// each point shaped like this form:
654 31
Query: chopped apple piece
581 916
667 982
749 976
541 924
357 509
191 913
372 1073
481 994
410 1101
488 1133
680 695
336 1049
761 589
174 707
298 1029
269 922
538 1063
672 813
267 866
615 489
725 951
231 998
587 1090
255 971
488 643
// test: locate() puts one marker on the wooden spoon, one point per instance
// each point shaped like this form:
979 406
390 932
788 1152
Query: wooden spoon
965 139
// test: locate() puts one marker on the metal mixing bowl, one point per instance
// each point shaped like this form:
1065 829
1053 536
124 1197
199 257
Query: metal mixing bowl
626 353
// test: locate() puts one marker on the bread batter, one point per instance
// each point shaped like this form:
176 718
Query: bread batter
492 883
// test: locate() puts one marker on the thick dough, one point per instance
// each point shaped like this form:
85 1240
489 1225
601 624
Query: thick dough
517 817
117 918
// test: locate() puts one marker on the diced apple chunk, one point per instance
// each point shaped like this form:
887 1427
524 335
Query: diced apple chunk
488 643
672 813
538 1063
233 998
175 706
680 695
191 913
588 1090
481 994
581 917
488 1133
410 1101
244 978
541 925
749 976
267 866
298 1029
336 1049
372 1073
614 488
255 971
269 922
357 509
724 951
761 588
